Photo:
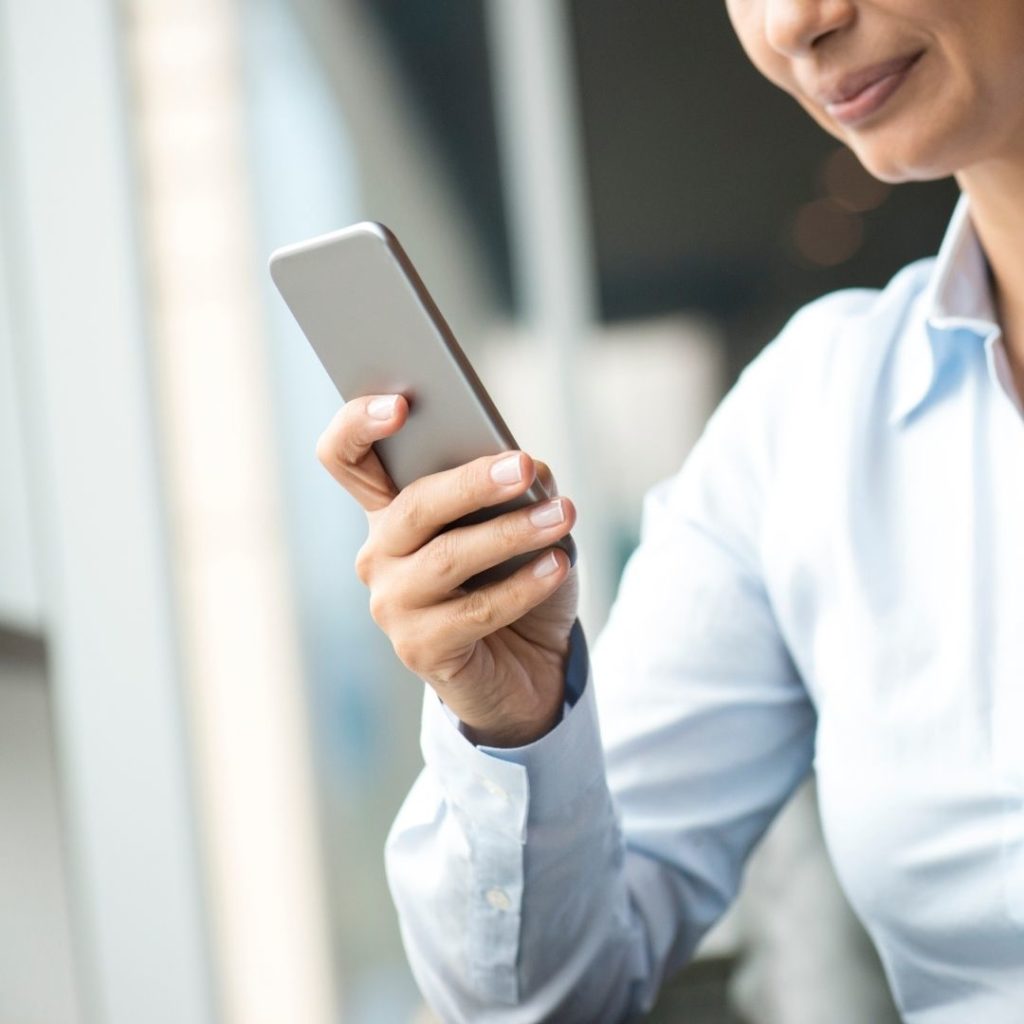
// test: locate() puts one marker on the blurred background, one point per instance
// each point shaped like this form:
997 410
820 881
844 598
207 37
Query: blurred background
203 738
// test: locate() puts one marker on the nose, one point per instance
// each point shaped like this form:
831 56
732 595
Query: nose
793 27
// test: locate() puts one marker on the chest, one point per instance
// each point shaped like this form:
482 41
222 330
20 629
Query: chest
898 581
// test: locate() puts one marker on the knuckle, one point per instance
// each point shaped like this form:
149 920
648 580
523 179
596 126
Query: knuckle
514 591
380 608
510 530
441 556
340 446
523 591
407 510
326 452
408 653
467 487
364 564
478 609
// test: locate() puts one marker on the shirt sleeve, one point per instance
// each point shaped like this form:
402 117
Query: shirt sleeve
564 880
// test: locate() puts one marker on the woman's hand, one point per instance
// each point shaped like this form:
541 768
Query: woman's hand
495 655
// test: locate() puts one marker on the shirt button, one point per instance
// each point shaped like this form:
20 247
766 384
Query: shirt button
498 899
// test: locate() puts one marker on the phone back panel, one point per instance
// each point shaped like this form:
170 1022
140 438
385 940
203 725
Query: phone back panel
376 330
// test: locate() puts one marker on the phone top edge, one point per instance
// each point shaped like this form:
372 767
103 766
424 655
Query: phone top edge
363 227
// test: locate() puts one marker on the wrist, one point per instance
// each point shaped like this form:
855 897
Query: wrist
507 735
522 706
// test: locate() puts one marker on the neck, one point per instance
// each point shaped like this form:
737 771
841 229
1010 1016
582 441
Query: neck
996 193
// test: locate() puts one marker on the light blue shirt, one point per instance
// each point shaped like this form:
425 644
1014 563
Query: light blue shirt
835 578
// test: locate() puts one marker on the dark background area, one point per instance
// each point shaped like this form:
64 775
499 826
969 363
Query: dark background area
702 177
444 59
698 168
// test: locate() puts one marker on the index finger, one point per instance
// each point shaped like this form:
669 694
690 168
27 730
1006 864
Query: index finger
345 448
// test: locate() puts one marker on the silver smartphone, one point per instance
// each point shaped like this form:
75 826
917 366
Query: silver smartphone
376 330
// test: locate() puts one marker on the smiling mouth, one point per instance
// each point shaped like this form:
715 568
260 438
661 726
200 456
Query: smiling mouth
859 95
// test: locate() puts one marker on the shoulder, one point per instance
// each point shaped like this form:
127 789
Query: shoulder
822 376
829 362
849 330
830 355
794 407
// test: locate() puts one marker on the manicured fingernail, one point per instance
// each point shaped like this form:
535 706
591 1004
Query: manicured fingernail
549 514
508 471
382 408
546 566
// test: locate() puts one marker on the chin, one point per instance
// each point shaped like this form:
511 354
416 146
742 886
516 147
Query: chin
894 172
909 147
904 160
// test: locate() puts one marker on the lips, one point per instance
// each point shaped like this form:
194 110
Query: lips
860 93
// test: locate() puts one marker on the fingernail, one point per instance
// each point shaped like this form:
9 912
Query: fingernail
546 566
508 471
382 408
549 514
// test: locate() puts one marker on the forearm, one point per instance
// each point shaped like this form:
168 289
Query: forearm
514 898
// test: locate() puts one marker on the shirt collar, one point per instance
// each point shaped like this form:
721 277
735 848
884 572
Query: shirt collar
955 308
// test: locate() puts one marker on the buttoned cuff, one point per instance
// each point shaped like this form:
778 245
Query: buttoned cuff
494 794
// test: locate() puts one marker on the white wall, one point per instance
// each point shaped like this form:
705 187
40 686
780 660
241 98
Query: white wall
89 443
20 602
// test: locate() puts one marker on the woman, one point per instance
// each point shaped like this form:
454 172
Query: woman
834 576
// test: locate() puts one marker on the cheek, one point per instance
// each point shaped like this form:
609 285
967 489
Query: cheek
948 122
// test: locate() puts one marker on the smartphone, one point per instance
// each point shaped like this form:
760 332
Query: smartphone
375 328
